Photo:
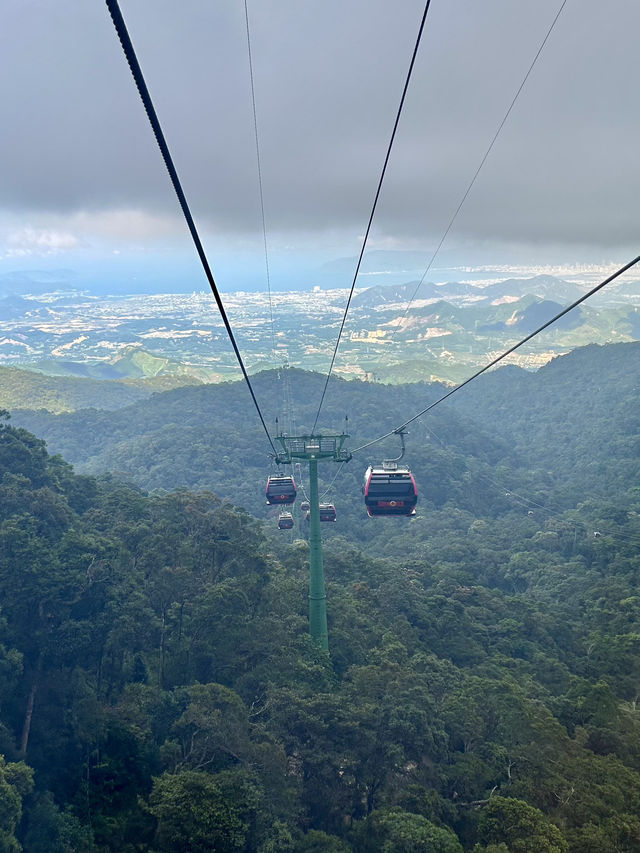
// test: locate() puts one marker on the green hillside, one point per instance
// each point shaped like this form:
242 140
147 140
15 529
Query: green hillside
158 689
28 389
132 362
33 390
512 421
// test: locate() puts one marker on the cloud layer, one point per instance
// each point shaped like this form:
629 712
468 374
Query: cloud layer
76 143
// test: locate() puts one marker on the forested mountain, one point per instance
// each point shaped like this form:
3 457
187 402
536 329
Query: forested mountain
486 441
67 394
158 689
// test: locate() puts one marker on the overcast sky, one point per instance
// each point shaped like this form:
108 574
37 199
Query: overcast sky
82 184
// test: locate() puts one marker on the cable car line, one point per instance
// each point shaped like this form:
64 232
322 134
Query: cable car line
288 399
479 169
285 386
129 52
373 209
558 513
495 361
335 477
552 511
284 492
259 165
298 465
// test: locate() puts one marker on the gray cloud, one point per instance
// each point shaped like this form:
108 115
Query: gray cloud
328 79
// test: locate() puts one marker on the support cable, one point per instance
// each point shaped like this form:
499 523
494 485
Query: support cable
264 226
304 493
288 400
495 361
136 71
551 511
335 477
479 169
373 209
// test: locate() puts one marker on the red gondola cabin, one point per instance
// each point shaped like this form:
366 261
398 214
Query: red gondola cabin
327 512
285 521
281 490
389 489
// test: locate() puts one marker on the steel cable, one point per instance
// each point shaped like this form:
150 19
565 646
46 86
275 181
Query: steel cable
479 169
495 361
373 209
138 77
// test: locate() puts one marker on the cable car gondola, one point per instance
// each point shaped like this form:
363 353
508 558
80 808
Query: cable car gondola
281 490
389 489
285 521
327 512
304 506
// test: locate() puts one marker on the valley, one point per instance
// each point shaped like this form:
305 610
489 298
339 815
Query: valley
394 333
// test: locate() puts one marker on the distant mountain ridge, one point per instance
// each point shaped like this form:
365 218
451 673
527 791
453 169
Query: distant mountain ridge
543 286
21 282
58 394
442 331
132 362
530 317
378 259
395 332
13 306
381 294
557 419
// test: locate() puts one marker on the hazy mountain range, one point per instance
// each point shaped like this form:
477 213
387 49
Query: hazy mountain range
394 332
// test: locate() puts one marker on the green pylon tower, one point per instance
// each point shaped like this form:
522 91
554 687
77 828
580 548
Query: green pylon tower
312 449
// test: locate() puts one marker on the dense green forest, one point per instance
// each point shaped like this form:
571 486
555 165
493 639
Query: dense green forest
158 689
66 394
543 437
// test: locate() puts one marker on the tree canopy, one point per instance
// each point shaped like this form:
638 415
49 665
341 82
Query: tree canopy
159 690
